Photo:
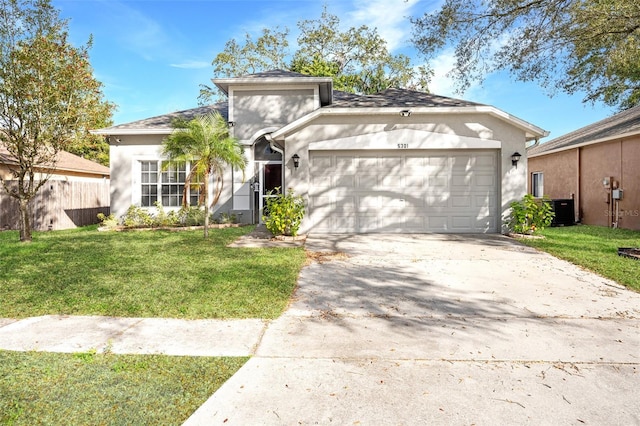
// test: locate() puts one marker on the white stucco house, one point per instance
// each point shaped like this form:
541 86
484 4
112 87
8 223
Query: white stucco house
397 161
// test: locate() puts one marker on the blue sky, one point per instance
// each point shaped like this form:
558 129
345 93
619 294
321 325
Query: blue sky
152 55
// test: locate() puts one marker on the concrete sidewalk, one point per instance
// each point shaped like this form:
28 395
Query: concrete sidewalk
54 333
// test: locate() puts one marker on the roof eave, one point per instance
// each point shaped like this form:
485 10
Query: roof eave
81 171
130 132
579 145
531 131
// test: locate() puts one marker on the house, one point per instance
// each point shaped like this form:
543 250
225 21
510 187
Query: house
597 167
397 161
77 190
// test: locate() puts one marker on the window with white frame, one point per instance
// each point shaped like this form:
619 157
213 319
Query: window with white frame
537 184
164 182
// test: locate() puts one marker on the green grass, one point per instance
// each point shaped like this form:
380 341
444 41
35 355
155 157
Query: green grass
106 389
144 274
594 248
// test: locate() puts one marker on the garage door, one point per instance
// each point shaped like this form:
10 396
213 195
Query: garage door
408 191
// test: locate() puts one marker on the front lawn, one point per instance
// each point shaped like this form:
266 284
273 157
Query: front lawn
594 248
144 274
106 389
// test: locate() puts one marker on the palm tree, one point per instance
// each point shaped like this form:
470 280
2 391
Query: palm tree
206 143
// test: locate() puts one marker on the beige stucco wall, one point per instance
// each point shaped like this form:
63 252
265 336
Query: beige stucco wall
253 109
481 127
580 172
125 177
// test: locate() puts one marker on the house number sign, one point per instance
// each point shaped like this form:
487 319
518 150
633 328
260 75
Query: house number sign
403 145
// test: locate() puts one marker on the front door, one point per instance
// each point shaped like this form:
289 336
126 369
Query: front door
270 175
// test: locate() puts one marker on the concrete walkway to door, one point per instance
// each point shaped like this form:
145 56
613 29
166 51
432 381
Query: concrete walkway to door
441 329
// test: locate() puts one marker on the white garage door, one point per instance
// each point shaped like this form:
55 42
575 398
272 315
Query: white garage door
407 191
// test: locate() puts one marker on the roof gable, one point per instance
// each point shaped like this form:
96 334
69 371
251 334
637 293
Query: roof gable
279 77
622 124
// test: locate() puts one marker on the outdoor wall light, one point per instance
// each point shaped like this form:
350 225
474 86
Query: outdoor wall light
405 113
515 157
231 123
296 160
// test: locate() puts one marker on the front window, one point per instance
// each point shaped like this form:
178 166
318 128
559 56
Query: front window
172 185
164 182
537 184
149 183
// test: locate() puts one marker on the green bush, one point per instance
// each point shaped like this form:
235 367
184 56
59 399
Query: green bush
108 222
191 216
163 218
225 218
530 215
137 217
284 213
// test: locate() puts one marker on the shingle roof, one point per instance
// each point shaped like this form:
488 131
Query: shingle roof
163 122
397 98
623 123
66 161
392 98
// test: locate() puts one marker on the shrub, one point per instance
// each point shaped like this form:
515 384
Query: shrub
284 213
191 216
137 217
165 219
530 215
225 218
108 222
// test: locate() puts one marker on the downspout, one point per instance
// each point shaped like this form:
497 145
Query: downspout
536 143
273 145
279 150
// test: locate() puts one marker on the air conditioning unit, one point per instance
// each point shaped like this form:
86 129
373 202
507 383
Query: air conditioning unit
565 212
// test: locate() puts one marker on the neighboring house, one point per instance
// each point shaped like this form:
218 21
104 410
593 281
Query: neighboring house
397 161
597 167
77 190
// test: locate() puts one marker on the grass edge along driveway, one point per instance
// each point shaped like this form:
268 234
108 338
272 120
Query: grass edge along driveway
144 274
594 248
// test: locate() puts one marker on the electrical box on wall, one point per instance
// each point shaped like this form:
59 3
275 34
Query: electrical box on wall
616 194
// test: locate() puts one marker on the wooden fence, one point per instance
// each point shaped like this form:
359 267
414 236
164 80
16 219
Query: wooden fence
59 205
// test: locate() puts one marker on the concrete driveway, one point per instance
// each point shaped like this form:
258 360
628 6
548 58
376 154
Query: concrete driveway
441 329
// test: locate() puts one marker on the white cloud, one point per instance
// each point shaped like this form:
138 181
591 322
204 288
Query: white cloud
192 65
441 83
390 17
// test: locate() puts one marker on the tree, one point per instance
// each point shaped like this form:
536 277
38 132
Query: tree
204 142
358 59
48 96
268 51
569 45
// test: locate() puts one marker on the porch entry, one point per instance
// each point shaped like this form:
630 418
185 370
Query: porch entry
269 176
